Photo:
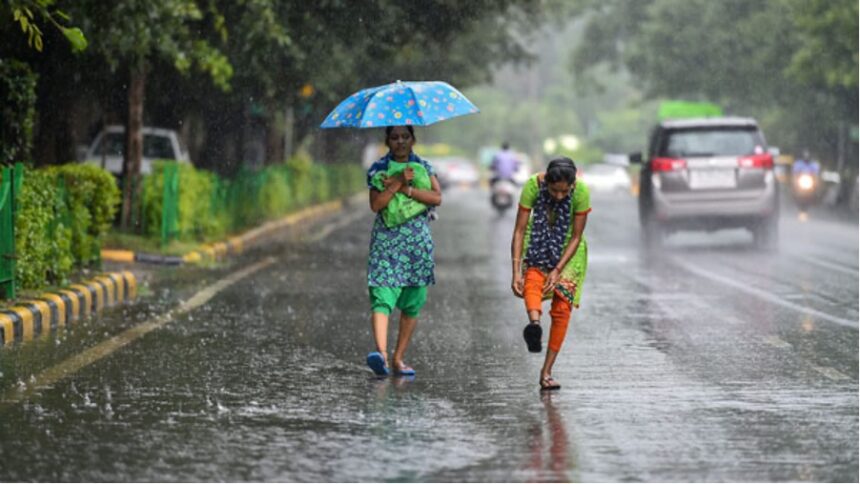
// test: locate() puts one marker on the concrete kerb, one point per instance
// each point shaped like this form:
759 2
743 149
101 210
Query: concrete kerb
39 316
232 246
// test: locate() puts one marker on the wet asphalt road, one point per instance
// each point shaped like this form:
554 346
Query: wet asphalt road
707 361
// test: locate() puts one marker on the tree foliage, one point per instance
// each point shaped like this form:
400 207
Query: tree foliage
790 63
17 110
23 14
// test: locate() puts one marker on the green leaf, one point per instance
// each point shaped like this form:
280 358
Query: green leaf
62 15
76 38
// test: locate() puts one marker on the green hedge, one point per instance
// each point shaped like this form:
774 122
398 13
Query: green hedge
63 214
197 220
211 207
93 200
43 244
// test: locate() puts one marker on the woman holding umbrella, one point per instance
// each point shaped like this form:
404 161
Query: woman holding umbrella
400 266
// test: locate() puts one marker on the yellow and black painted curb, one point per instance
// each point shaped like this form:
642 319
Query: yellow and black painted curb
233 245
41 315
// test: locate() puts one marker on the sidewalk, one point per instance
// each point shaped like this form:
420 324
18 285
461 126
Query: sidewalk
29 318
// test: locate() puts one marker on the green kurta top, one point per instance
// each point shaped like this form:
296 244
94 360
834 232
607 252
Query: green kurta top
573 274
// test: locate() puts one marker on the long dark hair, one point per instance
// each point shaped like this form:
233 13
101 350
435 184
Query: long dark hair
561 169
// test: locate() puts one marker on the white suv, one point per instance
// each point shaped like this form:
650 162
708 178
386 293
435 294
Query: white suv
708 174
158 144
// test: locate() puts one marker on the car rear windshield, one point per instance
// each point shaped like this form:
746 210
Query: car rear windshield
712 142
155 147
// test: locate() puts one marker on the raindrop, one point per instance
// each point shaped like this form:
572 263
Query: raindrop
108 395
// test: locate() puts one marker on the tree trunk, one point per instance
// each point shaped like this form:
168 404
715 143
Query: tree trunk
274 135
133 148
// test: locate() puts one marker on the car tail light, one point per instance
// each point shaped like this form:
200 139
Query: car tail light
668 164
756 161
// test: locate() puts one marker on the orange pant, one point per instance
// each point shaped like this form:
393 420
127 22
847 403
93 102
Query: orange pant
559 312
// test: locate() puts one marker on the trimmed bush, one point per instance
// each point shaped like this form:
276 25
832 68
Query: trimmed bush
93 199
63 214
43 241
197 220
210 207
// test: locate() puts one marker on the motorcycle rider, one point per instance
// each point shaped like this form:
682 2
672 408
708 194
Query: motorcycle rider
504 165
805 164
805 174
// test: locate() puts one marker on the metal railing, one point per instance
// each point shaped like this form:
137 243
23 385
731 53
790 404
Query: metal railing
10 185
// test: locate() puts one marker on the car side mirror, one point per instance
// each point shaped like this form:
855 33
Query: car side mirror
635 157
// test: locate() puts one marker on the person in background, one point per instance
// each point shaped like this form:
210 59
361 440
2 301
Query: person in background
550 255
504 165
400 264
805 164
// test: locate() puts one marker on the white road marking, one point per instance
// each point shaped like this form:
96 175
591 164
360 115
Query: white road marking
73 364
830 373
827 265
332 226
767 296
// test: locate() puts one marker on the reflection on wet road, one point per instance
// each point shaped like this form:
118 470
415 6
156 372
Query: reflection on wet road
705 361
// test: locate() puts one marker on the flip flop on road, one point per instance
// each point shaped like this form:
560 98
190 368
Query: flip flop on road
532 334
549 384
376 362
404 370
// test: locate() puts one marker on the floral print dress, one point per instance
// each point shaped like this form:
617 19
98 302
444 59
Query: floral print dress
400 256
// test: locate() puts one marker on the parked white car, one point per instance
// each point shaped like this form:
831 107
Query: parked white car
158 144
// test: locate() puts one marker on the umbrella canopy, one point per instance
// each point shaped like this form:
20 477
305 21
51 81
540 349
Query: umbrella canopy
400 104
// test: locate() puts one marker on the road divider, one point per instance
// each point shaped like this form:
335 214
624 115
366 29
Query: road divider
30 318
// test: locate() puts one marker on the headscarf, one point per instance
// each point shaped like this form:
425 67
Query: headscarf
548 232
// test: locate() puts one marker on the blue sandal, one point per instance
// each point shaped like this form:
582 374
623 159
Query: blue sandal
405 370
376 362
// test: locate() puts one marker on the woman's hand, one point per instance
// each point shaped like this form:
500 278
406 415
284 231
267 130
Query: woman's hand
551 280
517 285
393 183
408 175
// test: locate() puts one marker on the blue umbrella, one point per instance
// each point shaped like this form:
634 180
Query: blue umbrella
400 104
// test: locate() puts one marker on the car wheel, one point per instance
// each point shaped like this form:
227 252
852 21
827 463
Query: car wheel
766 233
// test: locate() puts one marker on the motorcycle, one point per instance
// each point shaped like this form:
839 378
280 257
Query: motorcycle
502 194
804 190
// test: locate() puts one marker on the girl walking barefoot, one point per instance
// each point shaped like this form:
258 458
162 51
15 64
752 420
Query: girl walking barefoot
549 255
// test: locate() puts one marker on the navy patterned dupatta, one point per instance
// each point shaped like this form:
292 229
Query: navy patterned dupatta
550 224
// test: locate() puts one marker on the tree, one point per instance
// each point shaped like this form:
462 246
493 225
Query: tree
790 63
22 13
130 35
